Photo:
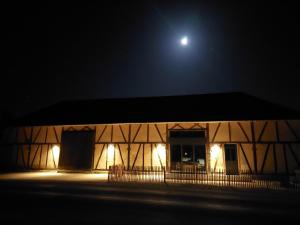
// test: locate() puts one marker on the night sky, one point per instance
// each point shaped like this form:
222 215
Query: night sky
56 51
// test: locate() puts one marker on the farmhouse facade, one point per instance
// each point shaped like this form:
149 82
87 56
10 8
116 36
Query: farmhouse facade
208 133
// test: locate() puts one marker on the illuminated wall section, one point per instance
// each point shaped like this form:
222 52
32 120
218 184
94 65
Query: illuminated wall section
144 145
110 155
159 155
216 158
55 153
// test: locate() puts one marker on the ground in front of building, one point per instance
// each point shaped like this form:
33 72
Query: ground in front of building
59 198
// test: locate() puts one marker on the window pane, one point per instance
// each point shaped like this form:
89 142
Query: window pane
200 156
187 153
175 153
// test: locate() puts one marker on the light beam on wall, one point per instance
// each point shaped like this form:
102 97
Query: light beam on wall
56 152
216 158
215 151
159 155
110 153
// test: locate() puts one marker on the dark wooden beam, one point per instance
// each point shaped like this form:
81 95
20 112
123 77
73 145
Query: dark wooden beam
102 133
46 136
25 134
114 156
34 156
47 154
23 157
160 162
265 157
137 153
283 147
196 125
215 134
123 135
244 154
294 154
143 157
243 130
37 135
277 131
292 130
262 131
100 156
167 148
129 147
161 138
151 157
106 157
56 136
174 126
87 128
148 133
177 125
40 159
254 146
285 159
70 129
17 139
112 133
229 131
207 153
120 152
29 147
275 158
17 156
137 132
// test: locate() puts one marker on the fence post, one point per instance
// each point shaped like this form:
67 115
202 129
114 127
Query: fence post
108 177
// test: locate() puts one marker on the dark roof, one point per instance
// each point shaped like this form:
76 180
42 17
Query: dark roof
206 107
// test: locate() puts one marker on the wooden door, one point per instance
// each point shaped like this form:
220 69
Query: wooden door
76 150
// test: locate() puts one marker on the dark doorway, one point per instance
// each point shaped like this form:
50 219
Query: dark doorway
231 158
76 150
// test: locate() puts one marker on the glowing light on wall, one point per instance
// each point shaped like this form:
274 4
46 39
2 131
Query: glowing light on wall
159 155
110 153
216 158
56 151
215 151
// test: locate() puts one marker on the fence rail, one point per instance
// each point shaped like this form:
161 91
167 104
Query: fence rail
220 178
137 174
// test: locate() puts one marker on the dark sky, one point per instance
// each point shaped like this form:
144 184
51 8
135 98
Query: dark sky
55 51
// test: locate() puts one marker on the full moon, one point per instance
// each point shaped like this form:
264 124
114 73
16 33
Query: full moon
184 41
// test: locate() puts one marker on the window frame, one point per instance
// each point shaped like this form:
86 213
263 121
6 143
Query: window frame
193 141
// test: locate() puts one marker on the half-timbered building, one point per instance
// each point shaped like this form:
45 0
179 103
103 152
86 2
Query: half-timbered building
210 132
